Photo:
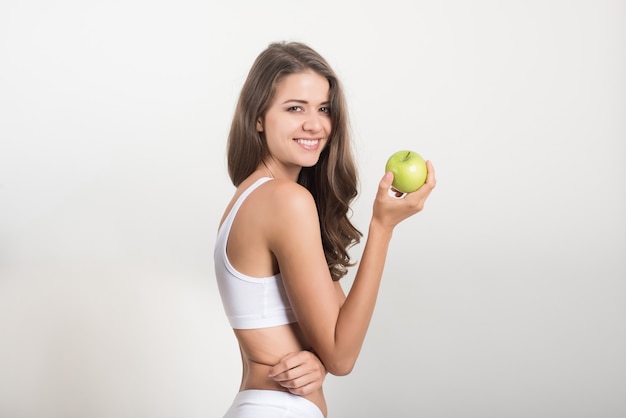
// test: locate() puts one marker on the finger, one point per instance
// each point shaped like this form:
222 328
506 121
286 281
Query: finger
308 370
385 182
287 362
303 384
294 360
386 186
430 177
393 192
305 389
297 381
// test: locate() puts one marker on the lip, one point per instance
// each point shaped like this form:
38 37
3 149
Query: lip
308 143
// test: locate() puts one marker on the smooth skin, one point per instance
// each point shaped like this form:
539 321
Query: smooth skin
277 230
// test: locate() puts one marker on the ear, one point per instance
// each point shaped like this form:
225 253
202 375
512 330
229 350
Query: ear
259 125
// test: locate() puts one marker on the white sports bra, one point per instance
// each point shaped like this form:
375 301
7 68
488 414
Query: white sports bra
249 302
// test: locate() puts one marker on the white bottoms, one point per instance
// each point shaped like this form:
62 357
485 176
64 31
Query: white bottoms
271 404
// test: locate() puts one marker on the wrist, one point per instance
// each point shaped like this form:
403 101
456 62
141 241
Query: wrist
378 229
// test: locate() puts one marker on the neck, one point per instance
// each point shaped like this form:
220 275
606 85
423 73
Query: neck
272 171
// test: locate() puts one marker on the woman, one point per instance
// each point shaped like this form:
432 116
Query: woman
283 242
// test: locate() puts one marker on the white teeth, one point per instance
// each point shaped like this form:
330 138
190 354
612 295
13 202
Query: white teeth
309 142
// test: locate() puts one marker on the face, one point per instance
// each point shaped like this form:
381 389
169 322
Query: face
297 123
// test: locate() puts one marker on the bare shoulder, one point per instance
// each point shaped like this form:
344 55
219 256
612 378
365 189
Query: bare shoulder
287 198
290 214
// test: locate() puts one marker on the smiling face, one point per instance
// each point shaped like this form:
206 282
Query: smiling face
296 124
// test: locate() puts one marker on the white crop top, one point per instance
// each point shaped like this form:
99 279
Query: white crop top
249 302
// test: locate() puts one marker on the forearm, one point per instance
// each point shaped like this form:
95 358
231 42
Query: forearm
356 313
337 330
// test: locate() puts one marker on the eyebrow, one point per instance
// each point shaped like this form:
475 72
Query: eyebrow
304 101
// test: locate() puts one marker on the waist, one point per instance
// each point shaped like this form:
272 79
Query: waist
255 377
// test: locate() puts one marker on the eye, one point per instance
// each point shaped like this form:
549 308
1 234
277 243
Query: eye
294 109
325 110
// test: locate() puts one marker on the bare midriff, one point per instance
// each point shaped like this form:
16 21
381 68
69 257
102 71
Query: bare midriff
262 348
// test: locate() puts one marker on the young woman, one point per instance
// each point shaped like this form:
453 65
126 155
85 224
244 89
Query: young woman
283 242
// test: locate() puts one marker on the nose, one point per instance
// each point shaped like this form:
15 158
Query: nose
312 123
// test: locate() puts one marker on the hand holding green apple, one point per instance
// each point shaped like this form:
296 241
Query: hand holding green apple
409 171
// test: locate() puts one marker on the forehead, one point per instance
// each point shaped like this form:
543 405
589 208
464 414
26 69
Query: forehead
306 85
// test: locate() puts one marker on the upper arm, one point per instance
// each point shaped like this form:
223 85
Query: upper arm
341 295
296 242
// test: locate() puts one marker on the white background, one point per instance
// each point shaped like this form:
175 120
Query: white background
506 297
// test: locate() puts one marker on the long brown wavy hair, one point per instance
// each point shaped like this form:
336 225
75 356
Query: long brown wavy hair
333 180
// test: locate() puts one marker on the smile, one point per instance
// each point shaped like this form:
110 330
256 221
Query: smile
308 143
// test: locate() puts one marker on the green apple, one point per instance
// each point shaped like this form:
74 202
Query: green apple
409 171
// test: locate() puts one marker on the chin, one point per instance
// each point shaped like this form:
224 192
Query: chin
309 164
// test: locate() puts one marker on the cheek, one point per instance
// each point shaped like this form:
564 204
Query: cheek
328 125
282 126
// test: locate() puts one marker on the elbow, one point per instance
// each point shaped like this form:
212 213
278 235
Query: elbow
340 367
